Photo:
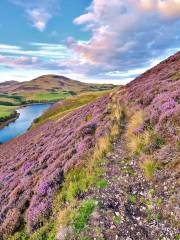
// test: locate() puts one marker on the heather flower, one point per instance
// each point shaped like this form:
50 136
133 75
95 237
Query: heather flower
81 147
43 188
88 129
27 167
168 105
38 212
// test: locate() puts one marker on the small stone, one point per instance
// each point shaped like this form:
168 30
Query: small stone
108 155
138 218
63 233
112 227
117 214
140 223
95 215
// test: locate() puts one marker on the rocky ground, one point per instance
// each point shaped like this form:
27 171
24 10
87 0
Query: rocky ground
129 206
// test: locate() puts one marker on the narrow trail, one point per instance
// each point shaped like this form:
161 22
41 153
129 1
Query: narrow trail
123 213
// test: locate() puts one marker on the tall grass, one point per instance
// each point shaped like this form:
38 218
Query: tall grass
135 122
136 141
140 136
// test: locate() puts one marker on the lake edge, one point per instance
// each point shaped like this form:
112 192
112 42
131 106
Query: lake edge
8 122
12 118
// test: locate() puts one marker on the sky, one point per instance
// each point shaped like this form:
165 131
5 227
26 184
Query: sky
104 41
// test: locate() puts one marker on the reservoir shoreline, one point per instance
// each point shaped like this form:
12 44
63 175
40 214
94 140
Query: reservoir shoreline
22 120
13 117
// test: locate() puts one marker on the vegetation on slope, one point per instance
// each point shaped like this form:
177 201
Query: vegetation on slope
60 109
79 131
66 177
140 200
70 214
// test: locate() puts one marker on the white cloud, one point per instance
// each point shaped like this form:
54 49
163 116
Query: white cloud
39 18
42 58
17 61
9 47
39 12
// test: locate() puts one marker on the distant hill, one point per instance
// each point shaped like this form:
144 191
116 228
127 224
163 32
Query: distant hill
50 83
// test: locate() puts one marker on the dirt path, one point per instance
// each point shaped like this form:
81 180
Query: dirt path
128 206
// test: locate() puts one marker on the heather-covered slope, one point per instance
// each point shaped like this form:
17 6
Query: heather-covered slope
139 197
57 171
32 166
157 92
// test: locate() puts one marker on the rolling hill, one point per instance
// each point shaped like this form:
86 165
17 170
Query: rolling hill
50 83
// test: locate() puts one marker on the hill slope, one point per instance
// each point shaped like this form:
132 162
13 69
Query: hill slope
50 83
59 171
139 195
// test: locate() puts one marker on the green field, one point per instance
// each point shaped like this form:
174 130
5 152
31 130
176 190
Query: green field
5 114
8 105
6 111
19 99
10 100
47 97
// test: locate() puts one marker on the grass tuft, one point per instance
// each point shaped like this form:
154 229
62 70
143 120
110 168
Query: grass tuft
103 183
132 199
149 167
175 76
81 218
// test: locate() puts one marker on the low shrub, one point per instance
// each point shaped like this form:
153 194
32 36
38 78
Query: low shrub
138 143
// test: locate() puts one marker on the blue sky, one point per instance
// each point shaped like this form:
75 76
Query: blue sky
89 40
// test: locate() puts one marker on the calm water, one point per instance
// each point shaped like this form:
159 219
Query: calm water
20 126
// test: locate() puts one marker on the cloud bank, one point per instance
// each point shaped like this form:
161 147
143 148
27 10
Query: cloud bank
128 34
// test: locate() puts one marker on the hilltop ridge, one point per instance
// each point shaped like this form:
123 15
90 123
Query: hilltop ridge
50 83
